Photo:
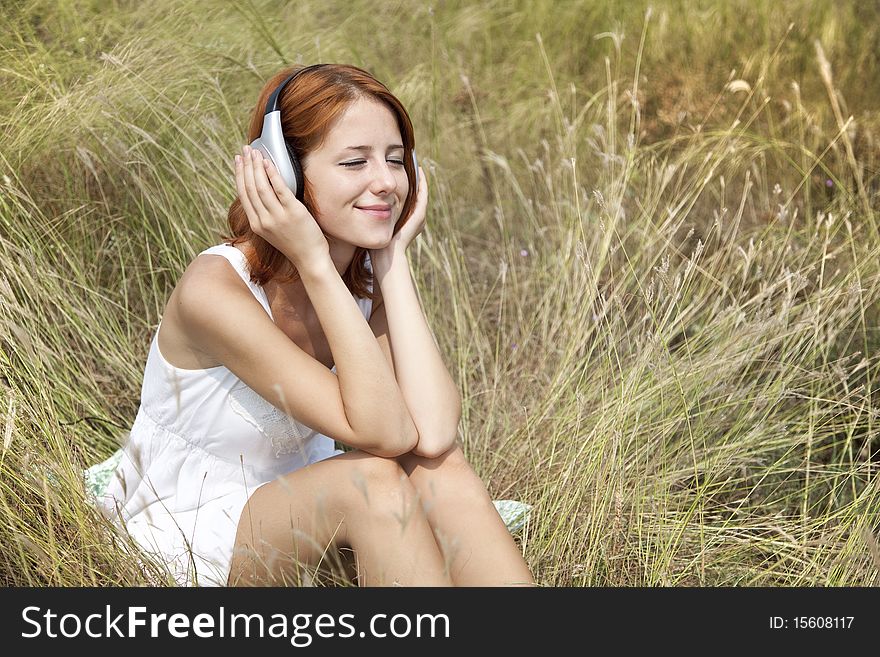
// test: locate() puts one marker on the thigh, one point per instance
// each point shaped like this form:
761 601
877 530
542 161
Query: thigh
297 522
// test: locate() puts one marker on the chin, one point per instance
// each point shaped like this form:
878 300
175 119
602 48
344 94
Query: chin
379 242
373 245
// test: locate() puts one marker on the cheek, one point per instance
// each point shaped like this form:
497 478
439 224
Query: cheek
326 197
402 186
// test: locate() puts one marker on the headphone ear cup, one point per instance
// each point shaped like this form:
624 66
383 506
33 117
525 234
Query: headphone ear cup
273 145
300 190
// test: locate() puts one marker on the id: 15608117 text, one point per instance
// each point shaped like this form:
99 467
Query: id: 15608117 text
811 622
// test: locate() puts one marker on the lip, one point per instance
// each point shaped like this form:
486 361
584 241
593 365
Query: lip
377 211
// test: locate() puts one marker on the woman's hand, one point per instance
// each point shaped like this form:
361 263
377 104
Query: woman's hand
274 213
414 225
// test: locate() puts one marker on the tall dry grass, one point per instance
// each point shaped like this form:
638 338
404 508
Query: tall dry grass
651 261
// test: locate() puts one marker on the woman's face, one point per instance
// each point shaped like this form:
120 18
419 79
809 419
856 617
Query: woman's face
357 177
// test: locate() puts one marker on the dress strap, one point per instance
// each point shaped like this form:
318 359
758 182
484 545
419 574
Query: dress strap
239 262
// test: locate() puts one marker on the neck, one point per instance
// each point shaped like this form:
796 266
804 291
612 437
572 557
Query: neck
341 254
292 298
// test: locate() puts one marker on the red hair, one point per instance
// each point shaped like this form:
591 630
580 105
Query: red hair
309 106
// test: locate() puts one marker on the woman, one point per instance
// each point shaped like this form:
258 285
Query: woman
303 328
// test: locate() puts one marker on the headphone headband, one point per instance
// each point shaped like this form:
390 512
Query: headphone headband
271 141
272 103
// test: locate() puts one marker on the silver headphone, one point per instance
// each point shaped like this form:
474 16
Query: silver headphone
272 144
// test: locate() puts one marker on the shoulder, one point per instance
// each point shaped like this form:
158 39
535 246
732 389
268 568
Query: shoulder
211 289
193 309
208 274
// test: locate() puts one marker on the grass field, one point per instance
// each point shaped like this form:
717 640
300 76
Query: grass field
651 261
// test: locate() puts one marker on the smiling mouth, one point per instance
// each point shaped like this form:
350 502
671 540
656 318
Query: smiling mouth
377 211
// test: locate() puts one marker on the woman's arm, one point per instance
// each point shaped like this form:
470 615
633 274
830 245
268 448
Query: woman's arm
430 393
370 394
361 405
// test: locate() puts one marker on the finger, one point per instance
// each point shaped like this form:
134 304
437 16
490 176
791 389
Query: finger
422 195
282 191
240 186
261 182
250 186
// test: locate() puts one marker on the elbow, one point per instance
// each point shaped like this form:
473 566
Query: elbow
433 449
405 444
435 443
395 443
432 445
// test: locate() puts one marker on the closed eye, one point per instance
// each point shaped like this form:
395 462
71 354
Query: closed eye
356 163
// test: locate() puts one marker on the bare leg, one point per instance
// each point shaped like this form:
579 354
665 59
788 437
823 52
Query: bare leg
474 540
354 500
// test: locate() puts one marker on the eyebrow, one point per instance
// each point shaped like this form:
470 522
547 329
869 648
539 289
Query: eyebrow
367 149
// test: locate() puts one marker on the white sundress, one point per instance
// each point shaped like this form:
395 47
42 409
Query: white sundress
201 444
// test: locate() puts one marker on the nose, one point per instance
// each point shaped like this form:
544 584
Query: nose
383 180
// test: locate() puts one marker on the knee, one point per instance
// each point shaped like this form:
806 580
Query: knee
449 476
379 486
453 459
